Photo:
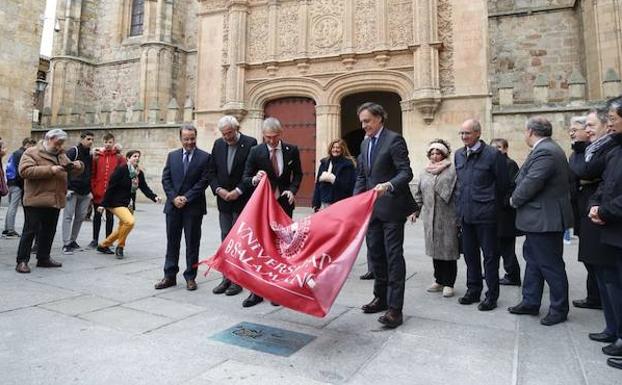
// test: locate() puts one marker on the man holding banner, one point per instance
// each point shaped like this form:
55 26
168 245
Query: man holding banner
280 163
385 168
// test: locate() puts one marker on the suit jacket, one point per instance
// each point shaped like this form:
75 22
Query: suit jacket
119 191
391 164
506 224
290 178
192 185
542 193
219 177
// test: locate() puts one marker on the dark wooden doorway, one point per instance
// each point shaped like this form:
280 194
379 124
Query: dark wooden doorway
351 130
297 116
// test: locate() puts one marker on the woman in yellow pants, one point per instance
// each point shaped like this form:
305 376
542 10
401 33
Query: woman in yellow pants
124 181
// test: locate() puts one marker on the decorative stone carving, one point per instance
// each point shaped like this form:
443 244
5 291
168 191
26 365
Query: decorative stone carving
446 54
365 24
326 26
400 23
288 29
326 32
258 34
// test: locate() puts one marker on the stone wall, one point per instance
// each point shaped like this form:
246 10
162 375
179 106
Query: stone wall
21 24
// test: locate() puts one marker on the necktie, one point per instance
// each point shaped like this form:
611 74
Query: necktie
372 147
274 160
186 161
469 152
230 156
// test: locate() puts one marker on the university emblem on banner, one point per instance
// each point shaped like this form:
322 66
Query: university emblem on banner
292 238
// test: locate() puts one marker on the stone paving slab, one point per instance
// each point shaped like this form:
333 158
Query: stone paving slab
79 305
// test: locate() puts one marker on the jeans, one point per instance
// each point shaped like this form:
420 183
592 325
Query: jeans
75 211
15 200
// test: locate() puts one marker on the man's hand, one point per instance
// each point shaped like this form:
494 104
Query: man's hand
594 216
179 201
413 217
159 200
381 188
223 193
100 209
289 195
233 195
258 177
56 169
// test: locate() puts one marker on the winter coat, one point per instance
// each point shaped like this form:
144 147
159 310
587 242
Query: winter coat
435 194
81 184
42 188
345 176
104 164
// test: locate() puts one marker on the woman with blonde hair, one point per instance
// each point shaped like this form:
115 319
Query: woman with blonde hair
124 181
435 195
335 176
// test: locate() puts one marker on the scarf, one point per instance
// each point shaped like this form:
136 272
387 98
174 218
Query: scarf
438 167
133 177
599 144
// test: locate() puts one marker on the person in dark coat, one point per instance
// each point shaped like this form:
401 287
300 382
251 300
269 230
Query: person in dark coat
226 169
483 182
506 229
123 181
335 176
15 184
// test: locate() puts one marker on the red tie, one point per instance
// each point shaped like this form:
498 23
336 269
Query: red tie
275 163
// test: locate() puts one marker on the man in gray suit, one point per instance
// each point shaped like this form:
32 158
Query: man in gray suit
543 211
385 167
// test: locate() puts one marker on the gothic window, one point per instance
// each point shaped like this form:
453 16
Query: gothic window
138 14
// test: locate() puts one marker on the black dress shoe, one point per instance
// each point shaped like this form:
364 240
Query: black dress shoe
48 262
553 319
367 276
375 306
191 285
487 305
222 286
614 348
118 252
252 300
233 289
585 304
165 282
602 337
615 362
392 318
105 250
521 308
468 299
509 282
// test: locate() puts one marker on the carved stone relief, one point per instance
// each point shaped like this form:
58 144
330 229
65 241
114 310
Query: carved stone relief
365 24
214 4
400 23
446 54
258 35
326 26
288 30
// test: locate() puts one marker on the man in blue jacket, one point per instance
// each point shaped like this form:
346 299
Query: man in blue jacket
184 179
483 182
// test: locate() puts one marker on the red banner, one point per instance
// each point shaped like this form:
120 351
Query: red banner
299 264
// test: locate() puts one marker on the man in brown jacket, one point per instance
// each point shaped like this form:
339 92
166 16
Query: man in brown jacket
44 168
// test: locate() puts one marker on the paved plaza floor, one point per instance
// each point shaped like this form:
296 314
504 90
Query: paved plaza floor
98 320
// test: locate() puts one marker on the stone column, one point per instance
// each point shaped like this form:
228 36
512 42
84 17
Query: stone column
188 110
427 94
252 124
327 118
172 111
611 84
576 84
71 30
303 16
236 71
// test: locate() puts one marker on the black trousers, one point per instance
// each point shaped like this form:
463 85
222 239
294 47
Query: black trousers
474 238
176 222
39 222
97 222
507 251
593 294
226 221
610 286
445 272
385 244
543 253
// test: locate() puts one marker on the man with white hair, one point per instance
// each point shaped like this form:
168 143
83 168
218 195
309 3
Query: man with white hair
280 163
226 169
44 168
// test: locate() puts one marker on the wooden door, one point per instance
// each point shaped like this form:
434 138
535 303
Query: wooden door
297 116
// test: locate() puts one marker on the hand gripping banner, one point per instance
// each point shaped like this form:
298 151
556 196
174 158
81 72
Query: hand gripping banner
301 265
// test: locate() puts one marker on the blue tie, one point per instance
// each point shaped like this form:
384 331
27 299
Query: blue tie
372 147
186 161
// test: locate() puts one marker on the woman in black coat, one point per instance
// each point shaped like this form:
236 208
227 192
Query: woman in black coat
124 181
335 177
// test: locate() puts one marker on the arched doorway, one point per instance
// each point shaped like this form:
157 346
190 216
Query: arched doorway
297 116
351 130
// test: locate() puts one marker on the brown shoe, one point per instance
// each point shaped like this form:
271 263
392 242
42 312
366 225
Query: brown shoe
48 262
375 306
22 267
392 318
165 282
191 285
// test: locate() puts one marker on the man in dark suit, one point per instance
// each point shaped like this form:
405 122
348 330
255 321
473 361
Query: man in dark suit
280 163
226 169
483 182
506 229
385 167
543 212
184 180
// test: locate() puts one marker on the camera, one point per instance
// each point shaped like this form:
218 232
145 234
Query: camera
68 167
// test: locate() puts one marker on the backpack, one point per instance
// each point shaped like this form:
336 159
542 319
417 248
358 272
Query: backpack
11 168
